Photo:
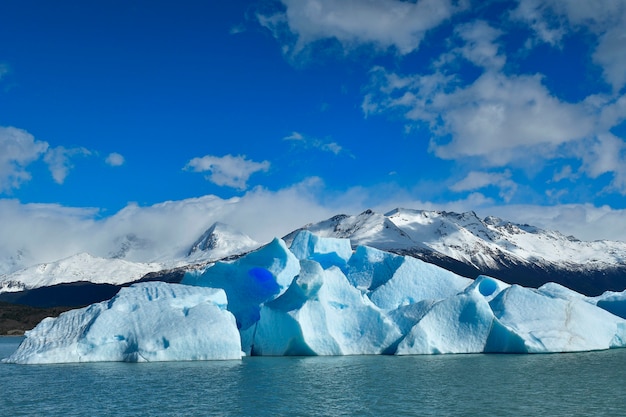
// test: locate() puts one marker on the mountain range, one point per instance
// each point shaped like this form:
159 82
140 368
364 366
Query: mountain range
469 246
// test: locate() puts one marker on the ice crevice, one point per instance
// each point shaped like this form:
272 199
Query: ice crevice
320 297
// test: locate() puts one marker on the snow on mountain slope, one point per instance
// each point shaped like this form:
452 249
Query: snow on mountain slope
366 229
217 242
469 246
468 238
80 267
220 241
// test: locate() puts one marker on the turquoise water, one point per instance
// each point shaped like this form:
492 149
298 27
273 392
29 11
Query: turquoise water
474 385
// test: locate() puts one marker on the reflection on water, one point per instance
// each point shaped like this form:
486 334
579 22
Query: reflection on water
557 384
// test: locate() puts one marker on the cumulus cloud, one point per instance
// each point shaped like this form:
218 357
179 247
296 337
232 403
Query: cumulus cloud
564 173
552 20
59 161
606 153
382 23
611 55
477 180
115 159
491 118
499 116
480 45
230 171
495 116
18 149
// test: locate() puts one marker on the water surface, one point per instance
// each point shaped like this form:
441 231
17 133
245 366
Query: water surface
474 385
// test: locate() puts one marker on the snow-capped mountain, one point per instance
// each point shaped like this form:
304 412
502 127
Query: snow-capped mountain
220 241
217 242
470 246
76 268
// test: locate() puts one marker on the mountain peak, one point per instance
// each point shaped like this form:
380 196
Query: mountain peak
221 240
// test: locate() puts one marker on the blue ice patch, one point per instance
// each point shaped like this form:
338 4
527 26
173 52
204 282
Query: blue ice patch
264 279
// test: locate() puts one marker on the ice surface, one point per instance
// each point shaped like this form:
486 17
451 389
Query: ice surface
252 280
554 324
320 298
463 323
326 251
398 280
143 323
613 302
321 314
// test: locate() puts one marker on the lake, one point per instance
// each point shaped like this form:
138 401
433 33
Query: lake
473 385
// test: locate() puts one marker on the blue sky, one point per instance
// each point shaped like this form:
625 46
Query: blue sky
512 108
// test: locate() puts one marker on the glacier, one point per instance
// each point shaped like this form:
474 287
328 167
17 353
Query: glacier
318 296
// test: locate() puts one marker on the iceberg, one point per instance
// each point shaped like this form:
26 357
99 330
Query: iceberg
392 280
554 324
143 323
613 302
320 297
252 280
463 323
321 314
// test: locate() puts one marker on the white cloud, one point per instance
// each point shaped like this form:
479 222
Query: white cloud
612 110
497 115
500 116
480 45
492 119
611 55
230 171
564 173
18 149
552 20
381 23
502 119
59 161
37 233
477 180
314 143
115 159
533 13
606 154
332 147
294 136
584 221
